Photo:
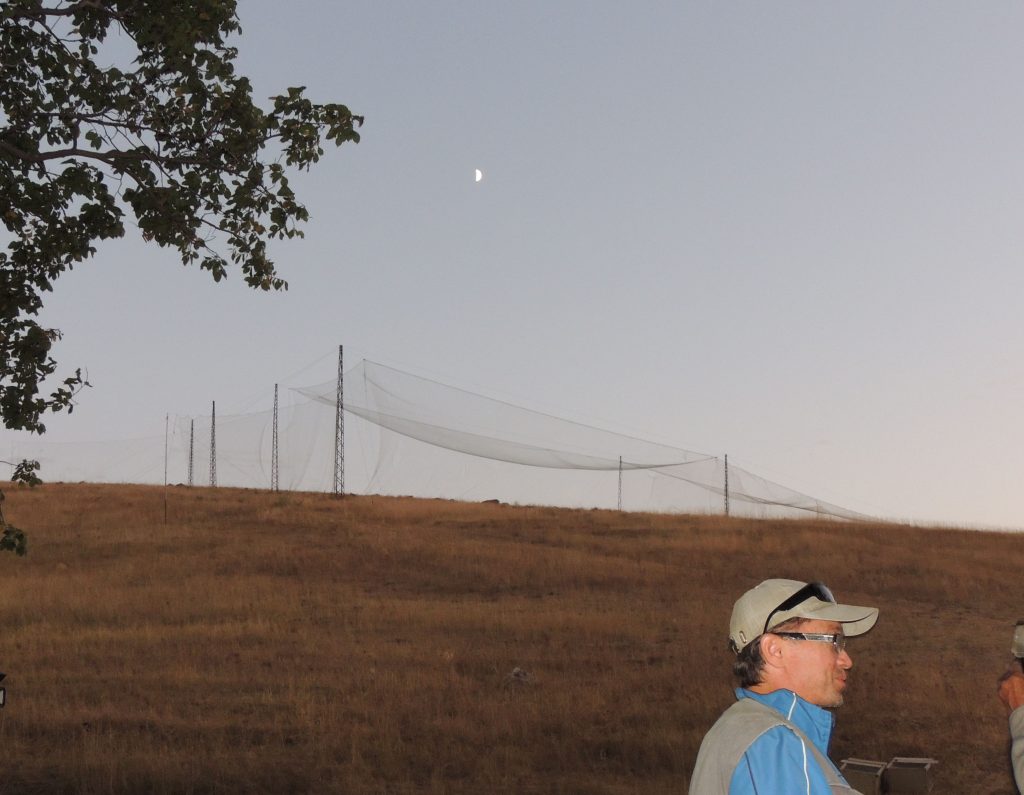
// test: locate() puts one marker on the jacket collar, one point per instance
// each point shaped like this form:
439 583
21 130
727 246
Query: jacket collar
812 720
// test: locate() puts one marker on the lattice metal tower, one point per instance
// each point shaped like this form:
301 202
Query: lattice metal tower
213 444
273 449
620 482
339 429
726 485
191 449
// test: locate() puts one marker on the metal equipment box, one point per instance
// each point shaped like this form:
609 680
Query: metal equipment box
909 775
863 775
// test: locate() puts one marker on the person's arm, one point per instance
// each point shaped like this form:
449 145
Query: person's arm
777 763
1011 692
1017 749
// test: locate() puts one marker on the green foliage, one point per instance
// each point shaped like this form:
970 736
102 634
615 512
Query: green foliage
12 539
25 472
171 136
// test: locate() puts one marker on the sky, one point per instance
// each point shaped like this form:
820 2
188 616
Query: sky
788 231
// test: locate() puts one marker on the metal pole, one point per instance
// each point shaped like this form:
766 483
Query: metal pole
727 484
191 448
167 422
339 429
620 482
213 444
274 479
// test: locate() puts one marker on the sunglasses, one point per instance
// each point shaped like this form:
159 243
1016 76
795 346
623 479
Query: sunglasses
816 589
838 639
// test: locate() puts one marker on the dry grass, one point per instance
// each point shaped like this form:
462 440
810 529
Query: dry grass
296 643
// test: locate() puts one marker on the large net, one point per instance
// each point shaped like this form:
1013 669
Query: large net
409 435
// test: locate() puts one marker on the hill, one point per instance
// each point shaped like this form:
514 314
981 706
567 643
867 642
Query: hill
282 642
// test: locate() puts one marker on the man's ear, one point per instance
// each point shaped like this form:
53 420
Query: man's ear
772 650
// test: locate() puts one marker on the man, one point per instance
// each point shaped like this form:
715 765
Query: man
1011 691
789 638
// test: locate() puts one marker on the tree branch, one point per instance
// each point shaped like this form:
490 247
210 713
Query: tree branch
41 12
110 158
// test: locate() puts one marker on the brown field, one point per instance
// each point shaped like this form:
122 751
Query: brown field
262 642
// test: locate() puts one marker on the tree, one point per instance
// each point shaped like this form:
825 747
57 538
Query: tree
171 136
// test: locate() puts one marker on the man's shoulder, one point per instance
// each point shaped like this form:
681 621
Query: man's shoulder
753 742
735 733
767 733
778 737
748 717
776 761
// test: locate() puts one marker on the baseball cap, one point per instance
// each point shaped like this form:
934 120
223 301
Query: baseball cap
774 602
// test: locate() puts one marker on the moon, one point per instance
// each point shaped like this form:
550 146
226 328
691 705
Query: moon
478 175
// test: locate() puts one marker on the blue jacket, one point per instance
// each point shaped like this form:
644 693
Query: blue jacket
778 756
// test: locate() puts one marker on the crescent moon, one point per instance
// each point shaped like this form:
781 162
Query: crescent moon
479 175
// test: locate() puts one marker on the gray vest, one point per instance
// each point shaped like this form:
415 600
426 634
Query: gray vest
731 736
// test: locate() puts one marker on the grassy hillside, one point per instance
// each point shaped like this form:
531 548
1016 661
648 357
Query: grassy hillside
260 642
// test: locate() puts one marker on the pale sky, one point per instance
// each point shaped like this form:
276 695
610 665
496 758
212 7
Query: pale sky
786 231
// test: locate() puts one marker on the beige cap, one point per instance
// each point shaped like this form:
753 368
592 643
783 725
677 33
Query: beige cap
774 602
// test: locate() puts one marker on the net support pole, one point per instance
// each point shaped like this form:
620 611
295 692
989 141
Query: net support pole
339 428
726 491
213 444
191 449
274 475
167 425
620 482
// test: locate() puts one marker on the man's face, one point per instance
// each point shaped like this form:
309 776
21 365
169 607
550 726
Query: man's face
816 672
